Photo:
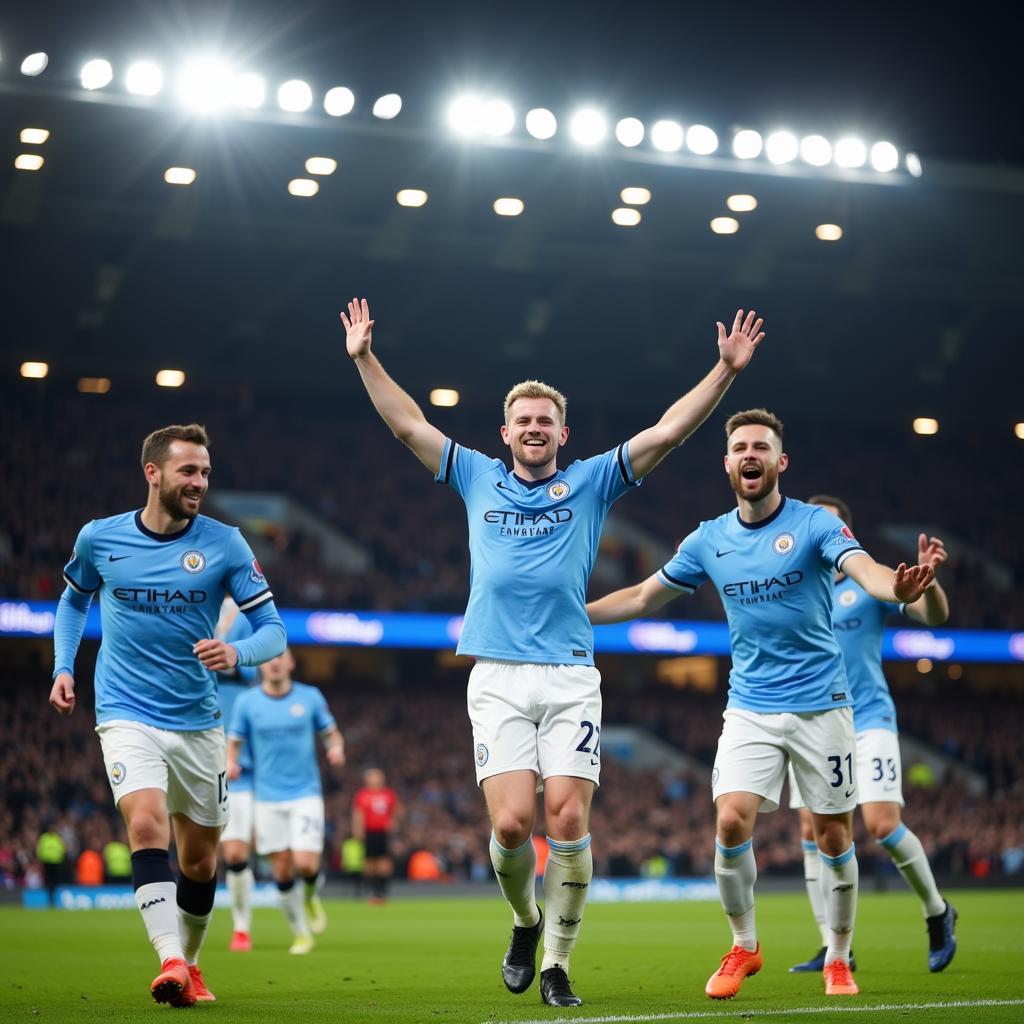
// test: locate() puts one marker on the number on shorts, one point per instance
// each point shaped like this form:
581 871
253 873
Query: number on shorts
837 769
222 788
880 772
592 730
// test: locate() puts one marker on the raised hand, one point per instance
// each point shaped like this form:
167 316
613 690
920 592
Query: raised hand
931 551
737 348
909 584
358 328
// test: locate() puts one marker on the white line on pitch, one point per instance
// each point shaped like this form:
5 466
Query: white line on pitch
753 1013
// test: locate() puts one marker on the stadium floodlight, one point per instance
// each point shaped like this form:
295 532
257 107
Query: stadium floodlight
444 397
248 90
588 126
411 197
1018 430
508 206
96 74
144 78
304 188
815 150
701 139
630 132
747 144
781 147
339 101
387 106
725 225
741 203
925 425
667 136
885 157
850 152
34 136
466 115
94 385
170 378
179 175
924 665
295 96
34 64
28 162
541 123
626 217
321 165
914 165
498 118
828 232
635 195
35 371
205 85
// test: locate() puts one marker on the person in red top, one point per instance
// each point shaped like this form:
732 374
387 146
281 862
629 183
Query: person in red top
375 810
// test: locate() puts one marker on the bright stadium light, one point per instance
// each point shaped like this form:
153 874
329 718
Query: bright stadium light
466 115
499 118
541 123
444 397
926 425
508 206
828 232
248 90
411 197
635 195
204 85
815 150
725 225
1018 430
588 126
179 175
914 165
701 139
626 217
295 96
304 188
321 165
388 106
339 101
94 385
28 162
924 665
741 203
35 371
667 136
34 136
96 74
850 152
781 147
34 64
746 144
885 157
143 78
630 132
170 378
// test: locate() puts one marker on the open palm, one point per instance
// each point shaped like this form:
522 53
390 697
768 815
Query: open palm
737 348
358 328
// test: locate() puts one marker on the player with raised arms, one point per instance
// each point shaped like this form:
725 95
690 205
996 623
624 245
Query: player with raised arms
859 621
534 694
162 573
771 560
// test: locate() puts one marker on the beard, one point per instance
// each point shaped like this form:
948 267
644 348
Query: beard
173 503
530 456
769 478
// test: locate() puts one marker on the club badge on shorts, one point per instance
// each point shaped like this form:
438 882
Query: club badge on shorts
117 773
482 754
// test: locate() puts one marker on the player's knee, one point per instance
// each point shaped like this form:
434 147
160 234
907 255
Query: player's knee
511 829
200 868
148 831
882 823
806 829
834 838
733 826
569 822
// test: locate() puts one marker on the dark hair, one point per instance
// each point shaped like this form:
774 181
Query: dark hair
157 446
826 499
761 417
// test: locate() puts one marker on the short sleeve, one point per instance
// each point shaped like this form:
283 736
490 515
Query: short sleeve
239 725
245 580
80 574
322 717
834 539
612 473
461 466
685 572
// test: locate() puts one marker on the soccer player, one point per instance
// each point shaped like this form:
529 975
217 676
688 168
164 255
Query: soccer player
236 839
161 574
374 810
859 620
789 700
534 695
278 723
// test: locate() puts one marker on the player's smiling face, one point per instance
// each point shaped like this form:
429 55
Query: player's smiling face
754 459
534 432
183 479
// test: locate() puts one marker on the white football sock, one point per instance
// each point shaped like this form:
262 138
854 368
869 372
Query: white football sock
912 862
192 928
158 904
840 877
812 878
516 871
736 873
567 878
293 906
240 888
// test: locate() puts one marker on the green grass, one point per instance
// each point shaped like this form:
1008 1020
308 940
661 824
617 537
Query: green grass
438 960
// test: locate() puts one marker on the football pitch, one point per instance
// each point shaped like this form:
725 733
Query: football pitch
438 960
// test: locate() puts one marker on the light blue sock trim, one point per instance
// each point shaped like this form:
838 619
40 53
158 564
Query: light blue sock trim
569 846
517 852
838 862
733 851
809 845
894 837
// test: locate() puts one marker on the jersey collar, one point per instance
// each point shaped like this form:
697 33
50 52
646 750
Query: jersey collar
531 484
163 538
764 522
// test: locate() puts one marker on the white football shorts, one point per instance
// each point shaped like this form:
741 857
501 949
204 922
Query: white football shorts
879 770
531 717
290 825
240 818
754 750
190 767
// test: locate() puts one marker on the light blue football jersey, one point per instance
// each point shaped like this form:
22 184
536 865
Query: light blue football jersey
859 621
280 733
532 547
775 579
159 595
229 689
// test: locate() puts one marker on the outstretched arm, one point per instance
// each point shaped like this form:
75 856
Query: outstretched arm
650 446
904 586
396 407
630 602
932 607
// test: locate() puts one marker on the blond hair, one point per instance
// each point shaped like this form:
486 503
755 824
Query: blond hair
756 417
536 389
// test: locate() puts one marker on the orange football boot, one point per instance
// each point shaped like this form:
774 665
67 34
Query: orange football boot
737 964
839 979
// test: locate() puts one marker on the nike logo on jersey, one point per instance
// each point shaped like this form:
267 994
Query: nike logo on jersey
720 554
117 558
502 487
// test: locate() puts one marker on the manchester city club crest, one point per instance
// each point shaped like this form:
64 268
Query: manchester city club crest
297 710
783 544
482 754
117 773
558 490
193 561
848 597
